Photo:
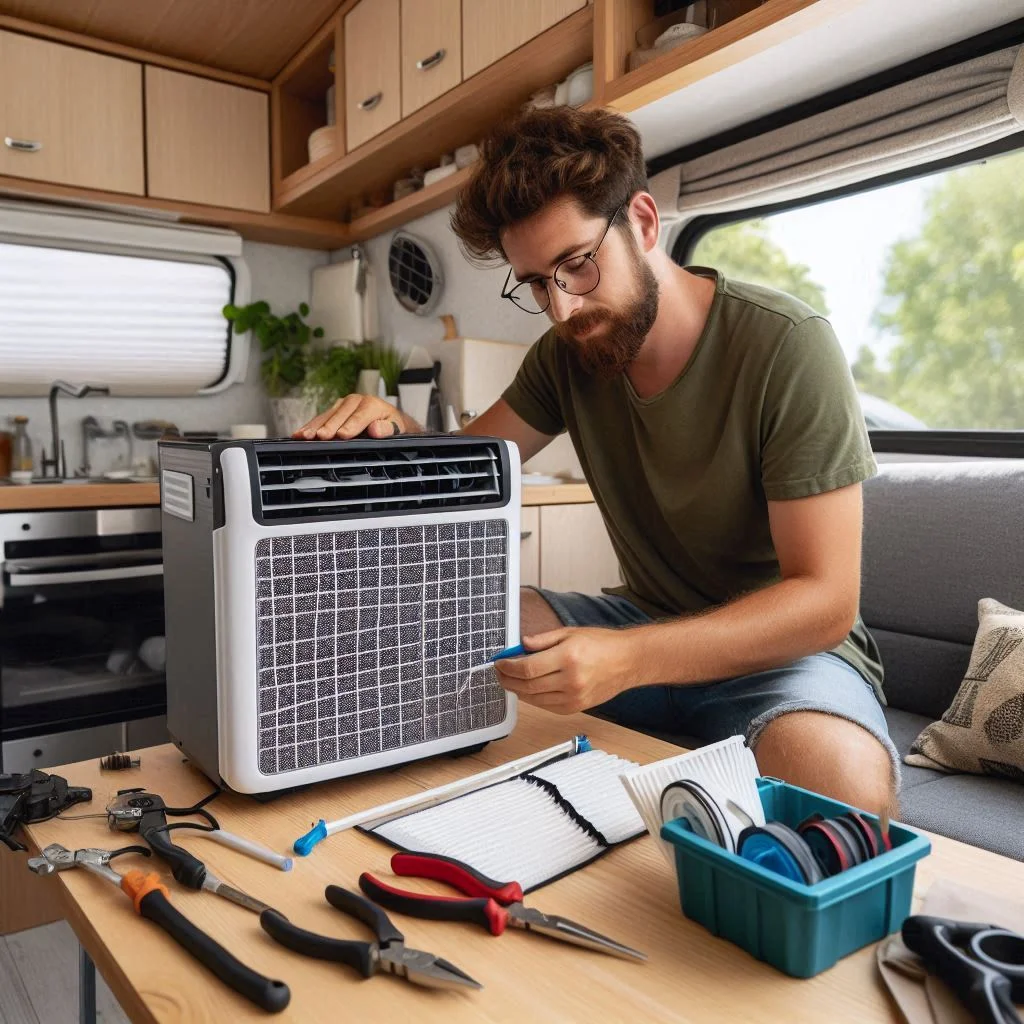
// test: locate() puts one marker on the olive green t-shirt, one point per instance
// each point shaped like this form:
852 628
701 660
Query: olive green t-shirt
764 410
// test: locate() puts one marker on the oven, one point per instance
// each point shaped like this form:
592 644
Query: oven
81 634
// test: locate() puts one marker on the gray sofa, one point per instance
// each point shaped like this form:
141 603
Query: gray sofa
937 537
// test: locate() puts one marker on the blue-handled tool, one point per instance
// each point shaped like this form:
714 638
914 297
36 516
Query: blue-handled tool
509 652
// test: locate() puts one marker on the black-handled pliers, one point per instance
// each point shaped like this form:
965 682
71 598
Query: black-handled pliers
387 953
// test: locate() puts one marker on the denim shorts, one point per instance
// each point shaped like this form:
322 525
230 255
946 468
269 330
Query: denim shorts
745 705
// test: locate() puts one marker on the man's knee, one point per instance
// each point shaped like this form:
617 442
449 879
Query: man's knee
535 614
828 755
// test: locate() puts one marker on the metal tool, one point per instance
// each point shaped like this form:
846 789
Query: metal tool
119 762
32 797
149 897
387 953
495 905
983 964
135 810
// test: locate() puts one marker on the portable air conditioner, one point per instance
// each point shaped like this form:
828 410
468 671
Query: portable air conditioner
325 602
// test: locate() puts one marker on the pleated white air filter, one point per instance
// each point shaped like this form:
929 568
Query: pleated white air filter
727 770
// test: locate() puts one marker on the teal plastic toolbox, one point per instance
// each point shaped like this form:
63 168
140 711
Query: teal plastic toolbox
800 929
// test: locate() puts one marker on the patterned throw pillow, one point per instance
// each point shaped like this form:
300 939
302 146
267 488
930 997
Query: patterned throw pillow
983 729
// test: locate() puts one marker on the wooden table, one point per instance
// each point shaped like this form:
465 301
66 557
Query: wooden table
630 894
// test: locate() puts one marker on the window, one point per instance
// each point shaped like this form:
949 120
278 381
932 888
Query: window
140 325
923 281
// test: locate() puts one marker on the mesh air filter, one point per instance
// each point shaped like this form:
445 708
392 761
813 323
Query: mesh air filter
366 638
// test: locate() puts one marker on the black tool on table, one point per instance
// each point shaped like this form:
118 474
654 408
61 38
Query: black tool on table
983 964
149 897
388 952
136 810
32 797
495 905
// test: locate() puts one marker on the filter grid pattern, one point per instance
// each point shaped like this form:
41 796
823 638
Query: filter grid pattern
366 639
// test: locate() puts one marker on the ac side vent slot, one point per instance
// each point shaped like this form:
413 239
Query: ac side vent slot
308 482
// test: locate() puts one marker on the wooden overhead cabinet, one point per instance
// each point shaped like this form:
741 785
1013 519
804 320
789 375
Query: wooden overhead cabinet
206 142
492 28
373 69
431 50
69 116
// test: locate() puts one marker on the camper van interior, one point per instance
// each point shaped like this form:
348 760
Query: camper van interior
567 453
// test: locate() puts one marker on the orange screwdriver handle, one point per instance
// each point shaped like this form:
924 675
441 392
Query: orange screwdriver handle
149 896
138 884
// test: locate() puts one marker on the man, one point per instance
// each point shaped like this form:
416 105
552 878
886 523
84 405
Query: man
718 427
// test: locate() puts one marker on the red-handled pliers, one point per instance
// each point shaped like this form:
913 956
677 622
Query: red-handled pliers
495 905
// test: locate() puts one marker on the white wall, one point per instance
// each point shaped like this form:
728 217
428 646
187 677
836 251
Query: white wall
473 297
280 274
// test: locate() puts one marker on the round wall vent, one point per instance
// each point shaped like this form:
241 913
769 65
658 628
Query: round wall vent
415 271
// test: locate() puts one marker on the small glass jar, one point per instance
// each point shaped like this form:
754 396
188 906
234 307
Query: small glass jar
21 452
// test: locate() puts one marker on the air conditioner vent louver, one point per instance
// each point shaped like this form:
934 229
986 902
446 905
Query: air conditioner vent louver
338 479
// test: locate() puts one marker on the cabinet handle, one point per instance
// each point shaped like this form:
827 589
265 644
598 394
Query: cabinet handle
372 101
432 61
525 534
22 145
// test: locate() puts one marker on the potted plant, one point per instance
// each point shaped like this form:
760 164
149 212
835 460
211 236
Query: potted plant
379 362
331 373
285 344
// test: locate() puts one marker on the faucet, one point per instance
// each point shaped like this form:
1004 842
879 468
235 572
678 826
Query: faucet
76 391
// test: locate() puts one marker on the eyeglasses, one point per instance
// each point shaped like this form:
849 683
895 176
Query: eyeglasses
577 275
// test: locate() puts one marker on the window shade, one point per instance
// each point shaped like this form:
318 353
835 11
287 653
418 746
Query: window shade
942 114
136 324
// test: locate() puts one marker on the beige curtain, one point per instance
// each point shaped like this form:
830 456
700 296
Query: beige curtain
938 115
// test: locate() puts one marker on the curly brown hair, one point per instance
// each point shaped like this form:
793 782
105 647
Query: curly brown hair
594 156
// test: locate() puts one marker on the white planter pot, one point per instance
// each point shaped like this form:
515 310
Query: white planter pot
368 383
291 413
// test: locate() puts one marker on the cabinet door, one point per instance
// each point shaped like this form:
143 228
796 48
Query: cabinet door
529 547
575 552
431 50
70 116
492 28
207 142
373 71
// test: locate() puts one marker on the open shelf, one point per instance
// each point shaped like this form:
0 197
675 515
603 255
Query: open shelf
425 201
461 116
737 40
300 102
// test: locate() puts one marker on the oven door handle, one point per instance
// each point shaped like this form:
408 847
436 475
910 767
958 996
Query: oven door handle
119 572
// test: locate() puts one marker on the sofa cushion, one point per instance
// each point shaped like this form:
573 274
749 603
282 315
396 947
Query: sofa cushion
981 811
939 536
921 675
904 728
973 809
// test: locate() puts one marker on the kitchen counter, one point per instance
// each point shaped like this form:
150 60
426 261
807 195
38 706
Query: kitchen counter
25 497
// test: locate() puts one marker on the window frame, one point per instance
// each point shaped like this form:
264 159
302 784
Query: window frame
972 443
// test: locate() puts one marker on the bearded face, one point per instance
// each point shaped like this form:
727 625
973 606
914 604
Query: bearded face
605 340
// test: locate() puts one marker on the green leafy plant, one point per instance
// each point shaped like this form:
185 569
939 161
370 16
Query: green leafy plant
284 342
376 355
331 373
